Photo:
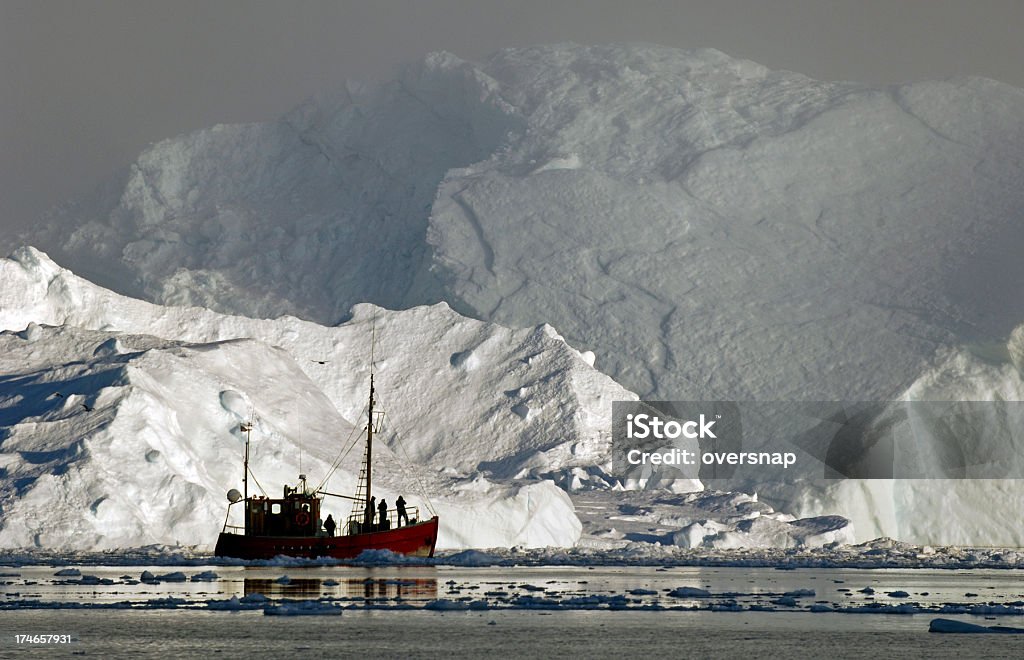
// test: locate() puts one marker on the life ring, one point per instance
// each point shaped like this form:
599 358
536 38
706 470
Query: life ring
301 518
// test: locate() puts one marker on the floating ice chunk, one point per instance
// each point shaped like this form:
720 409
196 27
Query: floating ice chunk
689 592
471 558
306 607
725 607
169 602
800 593
176 576
205 576
385 557
953 626
233 604
443 604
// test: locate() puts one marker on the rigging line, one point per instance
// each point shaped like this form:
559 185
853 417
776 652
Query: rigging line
401 466
251 474
352 441
334 468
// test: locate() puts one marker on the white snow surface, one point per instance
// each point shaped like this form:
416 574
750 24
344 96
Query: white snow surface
113 436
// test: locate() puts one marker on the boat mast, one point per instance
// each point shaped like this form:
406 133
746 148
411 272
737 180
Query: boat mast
369 439
247 428
369 426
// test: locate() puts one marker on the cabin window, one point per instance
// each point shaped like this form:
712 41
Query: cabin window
275 508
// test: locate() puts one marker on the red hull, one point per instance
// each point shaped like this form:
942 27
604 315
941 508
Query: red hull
416 540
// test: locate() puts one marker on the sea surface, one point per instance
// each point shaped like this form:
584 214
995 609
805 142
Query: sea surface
450 611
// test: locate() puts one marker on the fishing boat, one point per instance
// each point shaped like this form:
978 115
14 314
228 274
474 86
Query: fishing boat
291 525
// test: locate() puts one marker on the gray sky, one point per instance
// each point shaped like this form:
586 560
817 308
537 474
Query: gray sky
87 84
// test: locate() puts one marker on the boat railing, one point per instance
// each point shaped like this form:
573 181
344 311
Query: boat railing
237 529
354 524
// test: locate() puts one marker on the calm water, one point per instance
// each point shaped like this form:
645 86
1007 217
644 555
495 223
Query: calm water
384 615
498 634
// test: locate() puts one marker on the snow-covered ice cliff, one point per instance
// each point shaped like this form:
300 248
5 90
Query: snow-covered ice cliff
706 227
119 418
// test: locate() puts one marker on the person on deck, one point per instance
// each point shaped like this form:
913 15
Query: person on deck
368 517
329 525
400 507
382 508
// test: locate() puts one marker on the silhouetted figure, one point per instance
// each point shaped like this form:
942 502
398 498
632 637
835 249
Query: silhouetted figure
368 518
400 507
329 525
382 509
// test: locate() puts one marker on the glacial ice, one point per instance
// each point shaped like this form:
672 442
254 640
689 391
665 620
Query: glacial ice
129 447
703 224
699 226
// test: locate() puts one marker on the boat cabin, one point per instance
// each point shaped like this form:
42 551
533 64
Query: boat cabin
296 514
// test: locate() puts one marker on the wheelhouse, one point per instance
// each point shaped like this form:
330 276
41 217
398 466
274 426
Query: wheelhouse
294 515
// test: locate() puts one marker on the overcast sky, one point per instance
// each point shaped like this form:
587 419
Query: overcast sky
87 84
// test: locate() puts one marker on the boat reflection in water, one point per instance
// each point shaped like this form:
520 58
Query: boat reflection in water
366 589
296 588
